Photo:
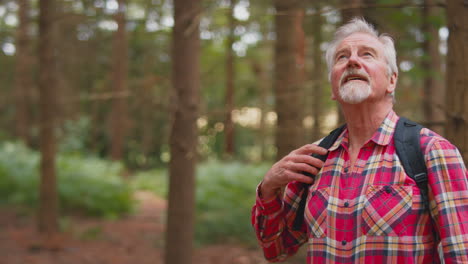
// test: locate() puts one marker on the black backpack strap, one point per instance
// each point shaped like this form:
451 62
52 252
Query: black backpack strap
408 148
326 142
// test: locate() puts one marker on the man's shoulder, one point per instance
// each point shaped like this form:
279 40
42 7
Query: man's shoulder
430 140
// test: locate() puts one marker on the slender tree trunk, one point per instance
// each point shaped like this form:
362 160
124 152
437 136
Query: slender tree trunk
67 77
287 87
99 123
301 70
48 209
354 10
119 114
262 84
318 74
23 72
434 94
263 77
457 72
147 113
230 76
183 139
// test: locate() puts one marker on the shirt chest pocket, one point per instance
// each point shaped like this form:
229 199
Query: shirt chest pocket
386 209
316 212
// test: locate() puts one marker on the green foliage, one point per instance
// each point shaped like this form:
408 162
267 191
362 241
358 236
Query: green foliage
155 181
225 195
85 184
74 136
93 185
18 174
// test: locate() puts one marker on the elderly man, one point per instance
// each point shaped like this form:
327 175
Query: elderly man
361 206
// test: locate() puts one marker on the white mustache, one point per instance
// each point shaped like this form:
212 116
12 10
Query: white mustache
349 72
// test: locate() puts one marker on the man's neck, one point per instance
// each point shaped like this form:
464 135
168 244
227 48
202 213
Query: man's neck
363 120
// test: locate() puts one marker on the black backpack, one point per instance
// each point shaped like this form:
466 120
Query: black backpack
408 147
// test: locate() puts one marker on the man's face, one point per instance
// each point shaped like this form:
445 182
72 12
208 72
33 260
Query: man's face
360 71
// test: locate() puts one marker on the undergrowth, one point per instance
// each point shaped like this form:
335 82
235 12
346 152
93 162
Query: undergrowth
85 184
225 191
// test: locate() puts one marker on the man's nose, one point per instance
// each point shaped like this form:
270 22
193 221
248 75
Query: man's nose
353 61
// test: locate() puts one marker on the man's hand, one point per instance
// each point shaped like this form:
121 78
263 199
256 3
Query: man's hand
291 167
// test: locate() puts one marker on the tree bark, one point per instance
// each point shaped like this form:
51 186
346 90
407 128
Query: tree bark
355 10
119 115
230 77
183 139
48 209
287 86
317 94
434 93
301 71
261 76
146 106
23 72
457 75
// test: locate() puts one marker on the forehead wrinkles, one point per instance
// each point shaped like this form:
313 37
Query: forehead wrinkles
358 47
360 41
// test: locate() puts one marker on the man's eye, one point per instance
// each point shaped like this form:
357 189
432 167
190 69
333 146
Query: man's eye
340 57
368 54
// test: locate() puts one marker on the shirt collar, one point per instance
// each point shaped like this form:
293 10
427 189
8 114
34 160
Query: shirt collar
382 136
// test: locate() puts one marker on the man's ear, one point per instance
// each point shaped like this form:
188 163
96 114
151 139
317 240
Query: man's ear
393 82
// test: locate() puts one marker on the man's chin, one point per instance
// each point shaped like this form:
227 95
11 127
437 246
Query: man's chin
353 102
354 94
354 98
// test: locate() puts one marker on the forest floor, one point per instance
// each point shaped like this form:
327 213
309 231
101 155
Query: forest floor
136 239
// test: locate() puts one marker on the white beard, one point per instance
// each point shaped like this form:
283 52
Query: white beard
354 92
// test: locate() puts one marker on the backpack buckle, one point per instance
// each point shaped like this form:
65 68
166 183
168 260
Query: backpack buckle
420 178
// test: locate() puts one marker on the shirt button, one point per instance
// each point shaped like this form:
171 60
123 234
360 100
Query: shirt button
387 189
346 170
346 204
344 242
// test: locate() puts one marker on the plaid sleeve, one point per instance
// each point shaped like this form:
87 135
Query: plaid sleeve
448 186
272 220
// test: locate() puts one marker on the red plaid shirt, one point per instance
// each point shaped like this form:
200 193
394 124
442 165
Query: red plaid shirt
372 213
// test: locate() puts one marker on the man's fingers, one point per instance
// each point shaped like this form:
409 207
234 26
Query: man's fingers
311 149
306 159
295 176
303 167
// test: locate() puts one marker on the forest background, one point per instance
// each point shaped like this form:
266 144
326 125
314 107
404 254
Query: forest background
193 101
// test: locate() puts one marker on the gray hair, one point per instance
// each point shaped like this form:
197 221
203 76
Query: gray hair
359 25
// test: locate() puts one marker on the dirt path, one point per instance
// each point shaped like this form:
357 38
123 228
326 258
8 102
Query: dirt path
137 239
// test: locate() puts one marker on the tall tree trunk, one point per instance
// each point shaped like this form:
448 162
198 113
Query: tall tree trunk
434 94
67 77
183 139
262 84
301 70
230 76
119 115
263 77
23 72
353 9
147 107
48 209
457 70
317 94
287 85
